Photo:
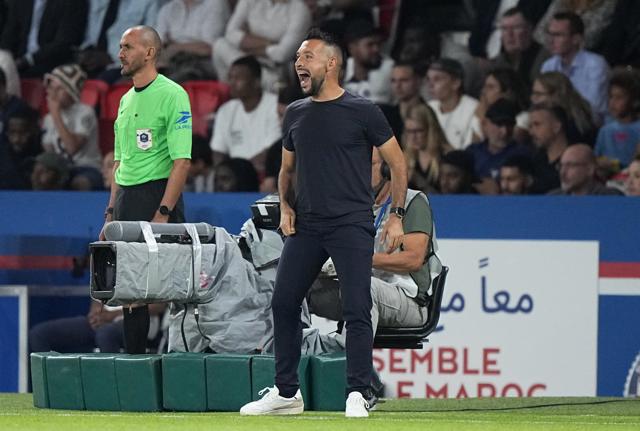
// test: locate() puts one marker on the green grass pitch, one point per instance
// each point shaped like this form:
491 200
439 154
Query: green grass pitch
17 413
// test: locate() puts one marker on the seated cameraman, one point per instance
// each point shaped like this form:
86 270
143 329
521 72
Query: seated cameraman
400 280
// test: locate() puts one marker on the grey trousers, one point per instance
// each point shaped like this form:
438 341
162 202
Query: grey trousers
391 306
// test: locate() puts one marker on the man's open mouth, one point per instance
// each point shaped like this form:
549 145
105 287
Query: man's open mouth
304 77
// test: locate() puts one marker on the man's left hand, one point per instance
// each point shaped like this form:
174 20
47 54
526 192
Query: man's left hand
392 233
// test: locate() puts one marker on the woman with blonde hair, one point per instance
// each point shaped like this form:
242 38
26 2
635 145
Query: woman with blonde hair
424 144
556 88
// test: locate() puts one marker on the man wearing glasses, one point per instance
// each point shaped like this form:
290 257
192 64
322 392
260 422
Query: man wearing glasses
587 71
520 51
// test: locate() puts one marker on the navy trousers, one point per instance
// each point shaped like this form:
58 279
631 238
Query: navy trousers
351 249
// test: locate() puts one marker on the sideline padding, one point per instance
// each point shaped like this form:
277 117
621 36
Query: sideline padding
228 382
328 381
184 382
192 382
39 381
139 380
64 382
99 383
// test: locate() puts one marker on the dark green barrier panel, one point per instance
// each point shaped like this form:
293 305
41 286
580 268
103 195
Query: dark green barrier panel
39 379
64 382
184 382
228 382
99 383
328 382
139 382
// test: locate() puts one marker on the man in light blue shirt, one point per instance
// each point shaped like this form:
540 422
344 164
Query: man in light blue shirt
108 19
587 71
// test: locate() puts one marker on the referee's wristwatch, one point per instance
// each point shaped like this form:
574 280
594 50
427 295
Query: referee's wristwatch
398 212
164 210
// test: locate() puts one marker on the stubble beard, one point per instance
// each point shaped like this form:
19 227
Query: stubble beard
316 85
129 70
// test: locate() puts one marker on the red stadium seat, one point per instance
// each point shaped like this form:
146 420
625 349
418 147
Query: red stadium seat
94 93
34 94
206 97
109 110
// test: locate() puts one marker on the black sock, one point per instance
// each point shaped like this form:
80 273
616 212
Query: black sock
287 392
136 328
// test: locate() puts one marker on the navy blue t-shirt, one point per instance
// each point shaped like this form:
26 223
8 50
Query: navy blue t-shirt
333 142
487 164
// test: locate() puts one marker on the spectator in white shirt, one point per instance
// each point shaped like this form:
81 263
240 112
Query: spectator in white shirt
189 30
455 110
246 126
368 72
8 66
270 30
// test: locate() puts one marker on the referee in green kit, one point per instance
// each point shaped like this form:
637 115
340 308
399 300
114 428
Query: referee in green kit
152 153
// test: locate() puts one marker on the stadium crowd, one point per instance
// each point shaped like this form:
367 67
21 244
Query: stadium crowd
485 96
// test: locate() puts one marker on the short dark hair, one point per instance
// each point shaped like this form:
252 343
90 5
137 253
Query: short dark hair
461 159
521 162
417 69
251 63
200 150
27 113
502 113
576 25
449 66
512 11
556 112
360 28
329 40
246 175
628 80
317 34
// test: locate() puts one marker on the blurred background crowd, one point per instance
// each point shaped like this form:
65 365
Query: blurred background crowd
485 96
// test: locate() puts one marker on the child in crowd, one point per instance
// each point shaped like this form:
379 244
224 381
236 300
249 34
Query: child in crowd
619 140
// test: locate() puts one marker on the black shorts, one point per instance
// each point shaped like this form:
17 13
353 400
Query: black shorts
140 202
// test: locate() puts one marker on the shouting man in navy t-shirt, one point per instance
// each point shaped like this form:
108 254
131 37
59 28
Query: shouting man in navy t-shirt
327 143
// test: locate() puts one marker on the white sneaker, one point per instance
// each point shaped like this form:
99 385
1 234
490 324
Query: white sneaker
273 404
357 406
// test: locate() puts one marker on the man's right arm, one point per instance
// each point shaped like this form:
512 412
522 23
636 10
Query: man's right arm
285 180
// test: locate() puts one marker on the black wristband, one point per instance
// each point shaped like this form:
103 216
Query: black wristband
108 212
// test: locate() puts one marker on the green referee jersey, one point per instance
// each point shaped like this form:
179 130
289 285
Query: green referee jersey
153 129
